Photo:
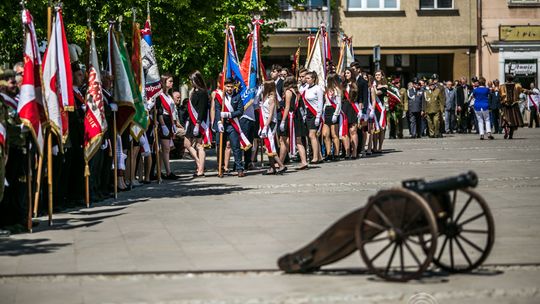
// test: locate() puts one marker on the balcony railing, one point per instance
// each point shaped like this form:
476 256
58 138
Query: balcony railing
303 20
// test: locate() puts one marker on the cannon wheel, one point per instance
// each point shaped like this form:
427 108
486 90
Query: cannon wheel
397 215
471 217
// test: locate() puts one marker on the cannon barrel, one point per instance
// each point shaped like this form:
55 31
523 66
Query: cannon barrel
469 179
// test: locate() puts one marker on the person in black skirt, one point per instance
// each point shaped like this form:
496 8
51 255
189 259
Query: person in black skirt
352 110
198 110
283 109
298 113
332 109
313 97
166 122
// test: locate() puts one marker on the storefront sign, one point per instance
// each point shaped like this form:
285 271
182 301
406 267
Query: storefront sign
520 68
519 32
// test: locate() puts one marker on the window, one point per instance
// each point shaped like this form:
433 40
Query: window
373 5
518 3
436 4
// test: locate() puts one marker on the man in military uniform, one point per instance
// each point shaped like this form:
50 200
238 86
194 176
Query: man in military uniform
415 96
432 107
441 87
395 111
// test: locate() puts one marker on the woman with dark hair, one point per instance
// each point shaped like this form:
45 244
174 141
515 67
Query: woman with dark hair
197 124
283 119
167 122
332 110
378 93
481 108
352 110
295 121
268 125
511 115
314 100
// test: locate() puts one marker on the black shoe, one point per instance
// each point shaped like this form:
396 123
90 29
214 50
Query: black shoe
281 171
170 176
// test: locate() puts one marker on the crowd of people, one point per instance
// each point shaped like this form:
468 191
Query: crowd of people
301 117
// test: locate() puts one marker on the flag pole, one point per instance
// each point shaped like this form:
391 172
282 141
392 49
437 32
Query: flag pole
86 167
115 158
28 155
224 73
156 135
46 129
49 138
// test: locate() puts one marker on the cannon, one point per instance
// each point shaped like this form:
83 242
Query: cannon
401 231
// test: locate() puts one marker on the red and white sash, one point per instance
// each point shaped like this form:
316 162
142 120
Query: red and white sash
204 126
535 100
269 138
343 129
12 103
379 106
355 105
166 104
3 136
235 123
310 107
292 131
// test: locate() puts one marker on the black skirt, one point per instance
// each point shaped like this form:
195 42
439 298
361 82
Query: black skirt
349 112
328 113
310 121
285 131
189 131
168 122
300 128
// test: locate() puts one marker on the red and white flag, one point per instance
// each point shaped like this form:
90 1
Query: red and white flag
57 79
30 107
95 123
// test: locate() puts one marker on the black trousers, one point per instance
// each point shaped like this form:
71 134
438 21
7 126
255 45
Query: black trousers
533 117
495 117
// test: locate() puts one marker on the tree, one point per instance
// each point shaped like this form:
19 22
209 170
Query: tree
187 34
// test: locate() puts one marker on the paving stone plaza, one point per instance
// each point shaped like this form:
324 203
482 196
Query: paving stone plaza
217 240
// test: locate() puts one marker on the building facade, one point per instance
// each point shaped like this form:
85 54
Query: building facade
511 40
417 38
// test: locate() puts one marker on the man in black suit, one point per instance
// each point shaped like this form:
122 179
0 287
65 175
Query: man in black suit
362 100
415 95
495 107
229 132
462 91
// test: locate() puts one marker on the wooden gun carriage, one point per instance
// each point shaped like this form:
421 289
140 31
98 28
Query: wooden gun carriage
401 231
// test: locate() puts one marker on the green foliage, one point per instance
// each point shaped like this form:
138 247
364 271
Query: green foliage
187 34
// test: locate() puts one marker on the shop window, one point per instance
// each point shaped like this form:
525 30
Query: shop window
436 4
372 5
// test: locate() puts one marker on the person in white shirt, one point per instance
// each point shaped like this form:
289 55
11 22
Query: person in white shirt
268 125
332 110
313 97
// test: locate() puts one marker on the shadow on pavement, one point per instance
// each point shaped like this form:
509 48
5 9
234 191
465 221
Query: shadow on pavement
16 247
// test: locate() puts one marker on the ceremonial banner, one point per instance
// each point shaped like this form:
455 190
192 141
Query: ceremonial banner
95 123
316 60
152 81
30 106
140 119
125 91
251 65
346 56
57 80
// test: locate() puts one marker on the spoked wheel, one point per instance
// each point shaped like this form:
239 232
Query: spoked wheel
397 235
468 235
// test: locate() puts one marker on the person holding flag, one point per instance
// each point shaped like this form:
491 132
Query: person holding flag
228 109
268 124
